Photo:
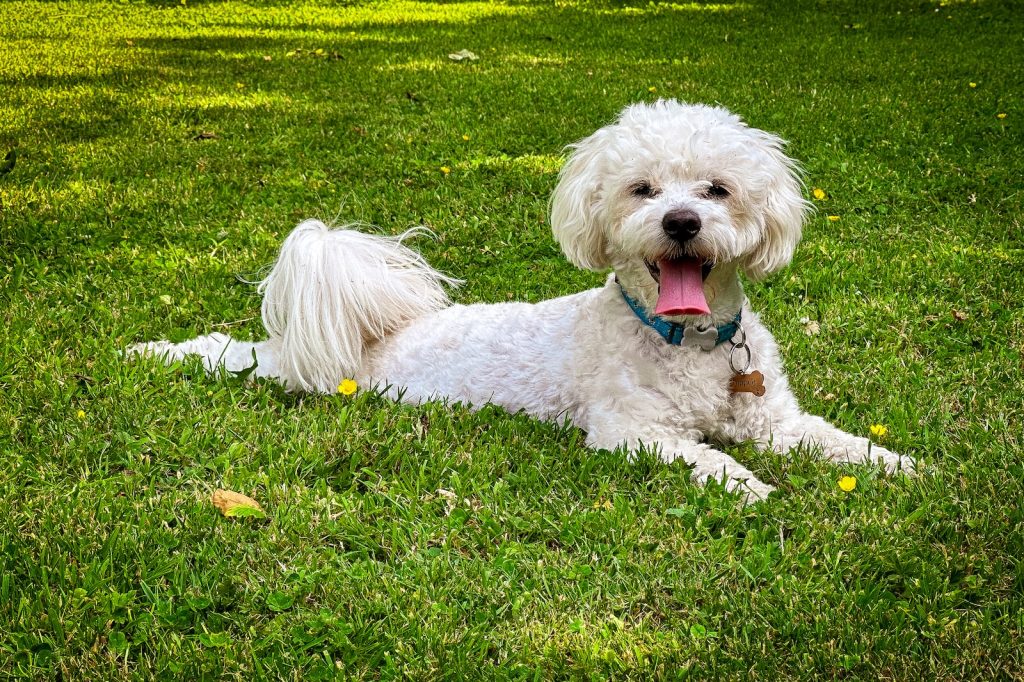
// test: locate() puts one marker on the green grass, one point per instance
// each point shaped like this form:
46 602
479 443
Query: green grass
120 223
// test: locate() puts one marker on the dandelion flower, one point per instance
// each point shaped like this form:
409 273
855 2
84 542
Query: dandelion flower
973 85
833 218
847 484
1000 116
80 414
446 170
465 138
652 89
818 193
879 430
347 387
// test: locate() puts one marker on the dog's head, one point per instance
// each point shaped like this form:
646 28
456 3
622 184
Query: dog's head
671 180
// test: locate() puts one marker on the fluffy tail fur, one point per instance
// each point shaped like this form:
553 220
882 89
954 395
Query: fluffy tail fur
334 291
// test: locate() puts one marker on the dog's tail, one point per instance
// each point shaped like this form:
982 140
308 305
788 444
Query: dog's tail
334 291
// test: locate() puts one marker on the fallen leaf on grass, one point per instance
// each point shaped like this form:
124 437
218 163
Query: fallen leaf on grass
811 327
232 504
463 55
206 135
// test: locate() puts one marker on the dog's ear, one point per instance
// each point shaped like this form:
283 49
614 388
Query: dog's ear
576 203
783 213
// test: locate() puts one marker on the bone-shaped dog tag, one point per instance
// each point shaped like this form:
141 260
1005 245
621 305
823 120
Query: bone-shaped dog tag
706 339
747 383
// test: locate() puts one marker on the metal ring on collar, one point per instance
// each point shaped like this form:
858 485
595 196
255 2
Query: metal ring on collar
743 336
732 358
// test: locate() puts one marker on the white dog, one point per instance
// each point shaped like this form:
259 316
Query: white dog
677 199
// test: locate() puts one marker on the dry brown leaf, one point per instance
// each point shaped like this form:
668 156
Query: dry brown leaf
229 503
462 55
811 327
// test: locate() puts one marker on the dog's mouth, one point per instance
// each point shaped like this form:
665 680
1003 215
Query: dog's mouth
680 285
652 267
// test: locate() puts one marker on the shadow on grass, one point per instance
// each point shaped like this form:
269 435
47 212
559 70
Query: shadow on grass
386 90
367 71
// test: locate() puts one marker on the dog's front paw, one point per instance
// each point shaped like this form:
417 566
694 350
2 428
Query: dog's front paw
711 464
751 489
891 461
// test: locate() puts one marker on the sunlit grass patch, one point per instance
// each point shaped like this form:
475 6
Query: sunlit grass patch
532 163
640 8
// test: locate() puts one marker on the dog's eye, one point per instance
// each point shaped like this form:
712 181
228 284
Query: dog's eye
643 189
717 191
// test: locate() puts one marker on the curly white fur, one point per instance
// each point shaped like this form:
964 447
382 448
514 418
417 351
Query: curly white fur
341 303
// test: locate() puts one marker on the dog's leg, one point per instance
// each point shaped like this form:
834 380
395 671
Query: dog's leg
216 350
708 463
834 444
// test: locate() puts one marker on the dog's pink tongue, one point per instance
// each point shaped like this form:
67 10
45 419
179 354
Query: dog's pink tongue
682 288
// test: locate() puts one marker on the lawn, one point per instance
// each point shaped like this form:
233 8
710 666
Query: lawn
156 155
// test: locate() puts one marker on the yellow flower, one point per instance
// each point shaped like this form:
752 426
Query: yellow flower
879 430
833 218
465 138
847 484
1000 116
652 89
347 387
973 85
80 414
446 170
818 193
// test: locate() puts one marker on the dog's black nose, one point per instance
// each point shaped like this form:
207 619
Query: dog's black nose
682 224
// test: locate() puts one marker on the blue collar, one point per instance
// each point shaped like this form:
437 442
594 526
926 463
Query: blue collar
686 335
